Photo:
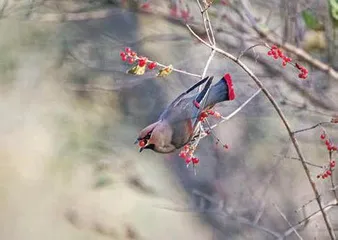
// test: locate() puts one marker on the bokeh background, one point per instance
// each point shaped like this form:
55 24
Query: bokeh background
70 115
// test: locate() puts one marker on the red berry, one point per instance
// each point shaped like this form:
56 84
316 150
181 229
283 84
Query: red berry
183 154
327 143
325 175
142 143
152 65
124 58
329 147
284 64
186 147
334 148
332 164
173 11
127 49
269 53
226 146
323 136
142 62
328 172
131 60
195 160
132 53
318 176
204 114
211 112
122 54
145 5
188 160
274 47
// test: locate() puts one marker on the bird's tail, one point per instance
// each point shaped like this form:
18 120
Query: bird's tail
221 91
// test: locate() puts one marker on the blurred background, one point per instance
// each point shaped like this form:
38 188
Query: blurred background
70 115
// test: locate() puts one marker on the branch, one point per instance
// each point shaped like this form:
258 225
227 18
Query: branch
283 216
310 128
307 219
231 115
283 119
300 53
308 163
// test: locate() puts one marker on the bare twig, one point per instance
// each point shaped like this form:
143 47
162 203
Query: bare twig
272 174
312 127
307 219
283 119
212 54
231 115
251 47
332 177
308 163
286 220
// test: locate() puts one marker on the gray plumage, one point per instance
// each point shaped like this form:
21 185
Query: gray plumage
176 125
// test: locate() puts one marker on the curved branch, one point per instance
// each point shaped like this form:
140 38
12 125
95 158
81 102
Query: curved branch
284 120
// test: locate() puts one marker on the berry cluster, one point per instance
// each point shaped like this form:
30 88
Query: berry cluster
206 113
187 154
183 13
145 6
303 71
328 170
276 53
329 144
130 56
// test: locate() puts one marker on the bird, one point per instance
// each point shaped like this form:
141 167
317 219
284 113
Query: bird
177 124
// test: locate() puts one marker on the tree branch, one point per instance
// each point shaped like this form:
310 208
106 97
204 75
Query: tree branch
283 119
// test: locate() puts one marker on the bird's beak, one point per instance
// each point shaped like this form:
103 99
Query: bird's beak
136 141
141 149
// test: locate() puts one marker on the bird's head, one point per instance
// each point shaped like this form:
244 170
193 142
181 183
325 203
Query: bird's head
144 139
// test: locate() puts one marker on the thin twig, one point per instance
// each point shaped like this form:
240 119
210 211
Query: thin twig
332 177
272 174
251 47
231 115
285 122
307 219
286 220
204 22
238 219
295 158
212 54
312 127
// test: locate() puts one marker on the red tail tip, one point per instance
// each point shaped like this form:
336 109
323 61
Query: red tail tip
231 91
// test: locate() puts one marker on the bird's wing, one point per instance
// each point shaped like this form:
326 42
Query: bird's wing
201 97
179 98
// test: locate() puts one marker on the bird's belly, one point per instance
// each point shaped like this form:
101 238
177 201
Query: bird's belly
182 133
